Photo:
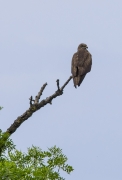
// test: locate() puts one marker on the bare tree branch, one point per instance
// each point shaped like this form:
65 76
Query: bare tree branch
36 105
66 83
40 93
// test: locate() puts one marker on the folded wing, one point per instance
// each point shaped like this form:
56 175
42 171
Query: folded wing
81 65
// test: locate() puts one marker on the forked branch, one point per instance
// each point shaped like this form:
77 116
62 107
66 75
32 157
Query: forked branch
35 105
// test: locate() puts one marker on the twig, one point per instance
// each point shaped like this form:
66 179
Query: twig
31 99
58 84
40 93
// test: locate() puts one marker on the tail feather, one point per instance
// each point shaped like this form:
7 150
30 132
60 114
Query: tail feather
78 80
81 79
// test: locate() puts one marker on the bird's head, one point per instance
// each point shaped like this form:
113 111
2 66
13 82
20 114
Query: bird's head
82 46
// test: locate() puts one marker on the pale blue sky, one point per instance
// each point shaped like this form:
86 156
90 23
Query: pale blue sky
37 41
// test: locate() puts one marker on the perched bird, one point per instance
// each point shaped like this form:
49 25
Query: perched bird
81 64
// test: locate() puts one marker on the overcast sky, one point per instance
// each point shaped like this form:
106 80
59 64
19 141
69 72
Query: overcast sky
37 41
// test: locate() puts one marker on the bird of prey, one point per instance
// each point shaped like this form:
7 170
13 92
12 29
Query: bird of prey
81 64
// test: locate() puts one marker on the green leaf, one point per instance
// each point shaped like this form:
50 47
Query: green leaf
33 165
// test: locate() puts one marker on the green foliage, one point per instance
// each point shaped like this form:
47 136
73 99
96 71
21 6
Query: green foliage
33 165
1 107
5 144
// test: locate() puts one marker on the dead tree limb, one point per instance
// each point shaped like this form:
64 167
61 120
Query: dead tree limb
35 105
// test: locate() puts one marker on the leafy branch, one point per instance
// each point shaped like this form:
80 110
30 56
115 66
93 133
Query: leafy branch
1 107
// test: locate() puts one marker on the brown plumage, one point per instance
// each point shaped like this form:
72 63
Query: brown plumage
81 64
